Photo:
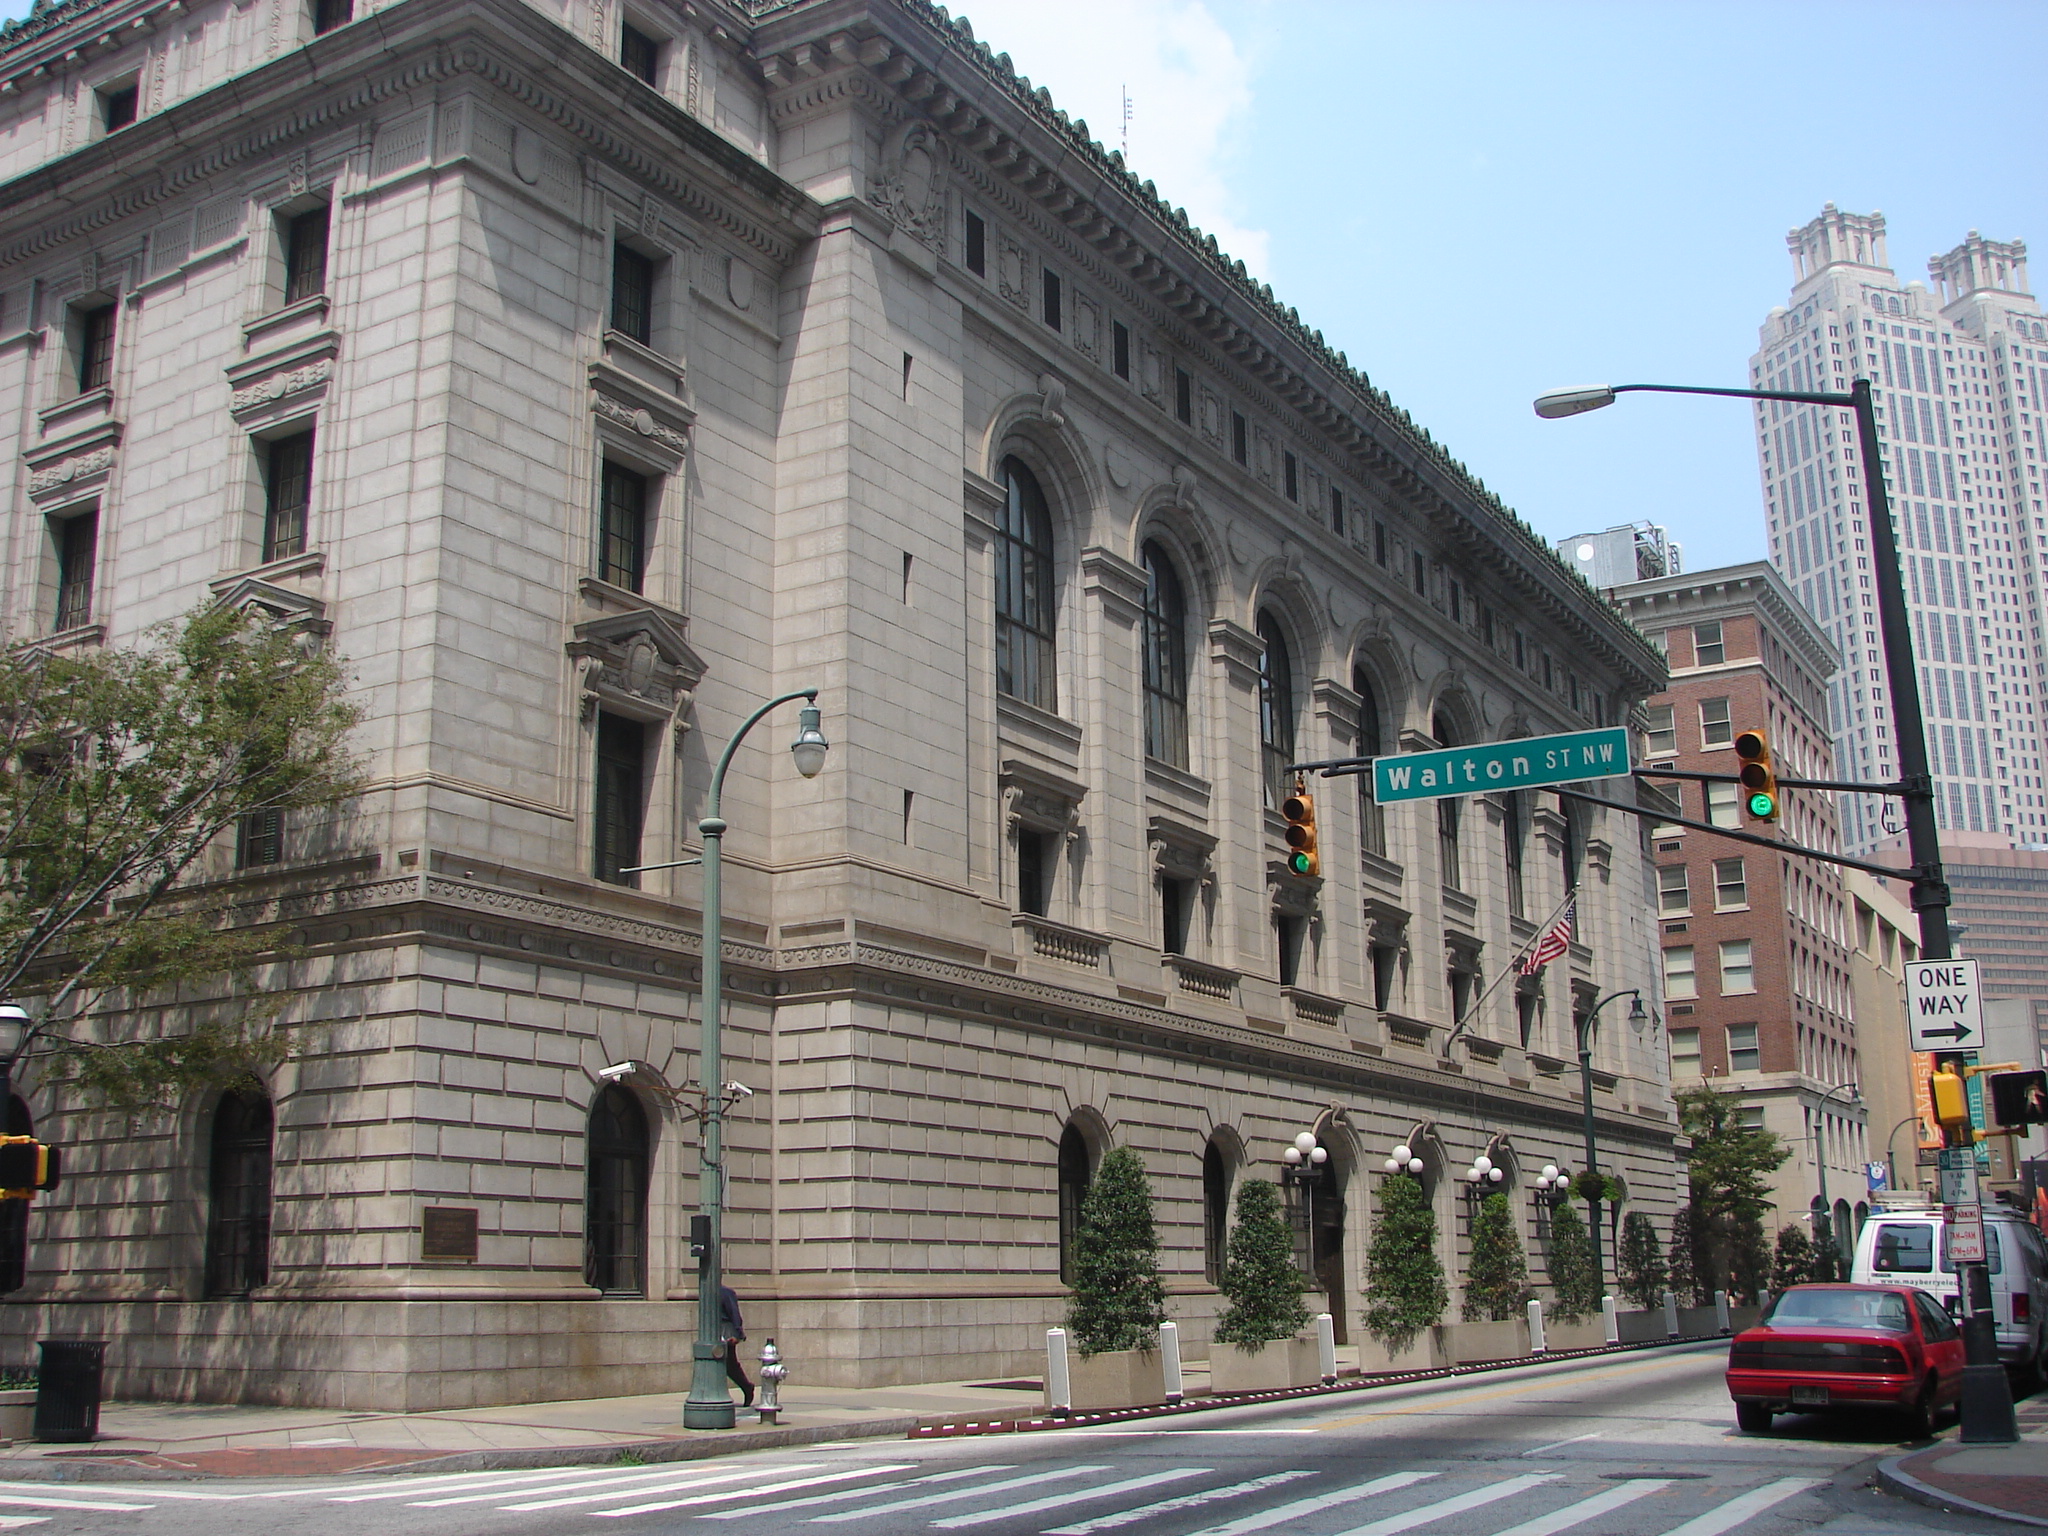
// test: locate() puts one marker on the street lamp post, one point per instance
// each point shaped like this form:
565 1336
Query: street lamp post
16 1029
1584 1028
1987 1411
709 1405
1822 1210
1891 1153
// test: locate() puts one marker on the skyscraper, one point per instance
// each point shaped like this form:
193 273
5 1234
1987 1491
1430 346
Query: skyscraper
1956 379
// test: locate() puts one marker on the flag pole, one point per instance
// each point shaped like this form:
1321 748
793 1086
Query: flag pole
1512 967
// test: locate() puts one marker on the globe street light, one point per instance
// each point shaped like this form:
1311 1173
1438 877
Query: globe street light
16 1029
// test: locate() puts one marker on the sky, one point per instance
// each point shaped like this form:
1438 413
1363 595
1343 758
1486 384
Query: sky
1479 202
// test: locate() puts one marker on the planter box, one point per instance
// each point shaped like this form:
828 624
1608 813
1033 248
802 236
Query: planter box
1467 1343
1587 1333
18 1414
1424 1354
1700 1322
1269 1368
1740 1318
1643 1327
1116 1378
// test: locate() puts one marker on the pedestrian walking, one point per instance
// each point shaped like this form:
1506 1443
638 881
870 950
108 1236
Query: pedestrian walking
732 1330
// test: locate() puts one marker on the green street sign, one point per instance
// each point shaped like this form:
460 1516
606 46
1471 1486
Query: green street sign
1497 765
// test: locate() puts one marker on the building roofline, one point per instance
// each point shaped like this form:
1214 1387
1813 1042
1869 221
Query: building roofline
1774 597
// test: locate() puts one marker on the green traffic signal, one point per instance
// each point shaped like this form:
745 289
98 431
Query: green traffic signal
1763 807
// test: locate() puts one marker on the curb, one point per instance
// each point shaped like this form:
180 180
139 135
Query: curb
1907 1486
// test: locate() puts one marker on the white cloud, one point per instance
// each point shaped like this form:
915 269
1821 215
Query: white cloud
1188 78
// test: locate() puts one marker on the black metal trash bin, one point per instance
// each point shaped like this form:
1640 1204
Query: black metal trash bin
68 1390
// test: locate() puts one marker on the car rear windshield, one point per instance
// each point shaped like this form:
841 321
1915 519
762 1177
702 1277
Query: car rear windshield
1840 1309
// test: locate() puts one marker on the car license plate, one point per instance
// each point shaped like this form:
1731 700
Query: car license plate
1809 1397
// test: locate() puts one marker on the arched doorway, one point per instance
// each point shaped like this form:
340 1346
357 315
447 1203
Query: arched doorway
238 1188
1076 1169
615 1195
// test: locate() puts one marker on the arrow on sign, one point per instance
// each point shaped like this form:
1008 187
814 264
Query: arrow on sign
1955 1032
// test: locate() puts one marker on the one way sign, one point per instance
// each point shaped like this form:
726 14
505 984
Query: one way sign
1943 1007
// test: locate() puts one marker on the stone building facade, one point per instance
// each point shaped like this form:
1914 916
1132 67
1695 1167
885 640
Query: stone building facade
589 374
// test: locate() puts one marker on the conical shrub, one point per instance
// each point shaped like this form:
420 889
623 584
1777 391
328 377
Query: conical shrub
1119 1300
1259 1277
1404 1283
1497 1281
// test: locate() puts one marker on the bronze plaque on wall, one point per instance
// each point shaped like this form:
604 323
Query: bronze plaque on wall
448 1234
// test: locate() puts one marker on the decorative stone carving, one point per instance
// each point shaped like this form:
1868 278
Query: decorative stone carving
1292 895
288 382
1052 390
527 161
81 466
739 283
1037 800
1181 852
286 605
636 664
909 187
640 420
1117 463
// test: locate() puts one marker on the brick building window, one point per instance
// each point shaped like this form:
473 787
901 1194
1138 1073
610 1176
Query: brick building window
1731 885
1723 805
1707 647
1372 819
1715 728
287 494
238 1191
1165 660
1738 970
1685 1053
632 294
620 802
622 527
1680 980
78 544
1674 895
92 332
1744 1055
305 253
259 838
1276 708
639 54
1024 591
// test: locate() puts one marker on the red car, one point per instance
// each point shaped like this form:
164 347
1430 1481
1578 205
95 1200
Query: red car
1837 1346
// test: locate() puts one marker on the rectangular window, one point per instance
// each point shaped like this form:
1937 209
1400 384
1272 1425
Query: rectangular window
1731 885
94 330
259 838
1288 933
118 105
1379 543
1685 1053
1743 1052
1674 896
1050 308
1034 874
1715 729
329 14
620 801
305 254
1722 807
1336 512
1173 915
78 544
622 527
632 294
1290 476
1707 648
1120 348
977 245
1738 972
639 53
1679 980
287 495
1750 1116
1240 438
1662 736
1420 571
1184 396
1386 963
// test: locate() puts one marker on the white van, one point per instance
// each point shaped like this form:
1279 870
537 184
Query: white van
1899 1246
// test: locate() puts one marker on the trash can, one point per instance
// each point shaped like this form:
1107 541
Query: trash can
68 1390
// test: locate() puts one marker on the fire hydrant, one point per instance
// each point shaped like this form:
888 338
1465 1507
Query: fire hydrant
772 1372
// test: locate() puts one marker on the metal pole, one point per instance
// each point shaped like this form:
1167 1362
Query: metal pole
1585 1033
709 1405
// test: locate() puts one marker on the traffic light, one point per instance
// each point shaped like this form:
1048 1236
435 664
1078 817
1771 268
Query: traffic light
1758 778
1300 810
2019 1098
1951 1099
26 1165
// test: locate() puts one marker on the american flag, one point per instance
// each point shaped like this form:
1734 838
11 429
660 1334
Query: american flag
1556 940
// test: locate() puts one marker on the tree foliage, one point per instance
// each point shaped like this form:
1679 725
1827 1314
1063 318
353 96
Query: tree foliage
1574 1283
119 770
1641 1271
1749 1261
1685 1273
1259 1276
1792 1264
1827 1256
1404 1283
1119 1301
1728 1173
1497 1280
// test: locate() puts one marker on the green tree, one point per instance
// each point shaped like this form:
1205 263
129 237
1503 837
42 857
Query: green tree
1259 1276
1728 1176
1749 1260
1497 1280
119 771
1685 1275
1404 1283
1827 1258
1640 1262
1575 1287
1119 1300
1793 1263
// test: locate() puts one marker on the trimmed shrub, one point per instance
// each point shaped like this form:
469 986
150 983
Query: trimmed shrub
1119 1300
1792 1264
1497 1282
1642 1275
1404 1283
1574 1285
1259 1277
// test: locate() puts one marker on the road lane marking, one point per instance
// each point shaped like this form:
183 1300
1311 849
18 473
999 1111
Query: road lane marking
1459 1399
1309 1506
1748 1506
714 1498
669 1477
16 1522
924 1501
19 1498
1185 1501
1579 1513
406 1487
847 1493
1443 1509
1074 1496
1575 1439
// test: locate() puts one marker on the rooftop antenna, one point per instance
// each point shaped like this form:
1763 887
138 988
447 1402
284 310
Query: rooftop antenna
1127 121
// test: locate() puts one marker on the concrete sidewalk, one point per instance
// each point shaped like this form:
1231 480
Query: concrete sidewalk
2008 1482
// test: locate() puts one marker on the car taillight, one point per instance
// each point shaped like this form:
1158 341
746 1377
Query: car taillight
2022 1306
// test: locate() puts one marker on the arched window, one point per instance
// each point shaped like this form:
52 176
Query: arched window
1024 655
1448 811
1166 661
615 1196
238 1183
1215 1210
1276 708
1077 1168
14 1213
1372 818
1574 841
1513 834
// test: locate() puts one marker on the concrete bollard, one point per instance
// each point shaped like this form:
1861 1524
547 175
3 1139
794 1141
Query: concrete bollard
1326 1347
772 1373
1610 1319
1536 1344
1059 1393
1169 1356
1721 1311
1671 1314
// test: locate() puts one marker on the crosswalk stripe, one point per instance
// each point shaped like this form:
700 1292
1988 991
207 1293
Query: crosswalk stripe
1744 1507
1072 1496
712 1498
620 1482
1314 1504
925 1501
1579 1513
847 1493
16 1522
1184 1501
1457 1504
404 1487
18 1498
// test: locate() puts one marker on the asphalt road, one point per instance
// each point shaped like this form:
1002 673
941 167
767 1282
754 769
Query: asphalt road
1640 1445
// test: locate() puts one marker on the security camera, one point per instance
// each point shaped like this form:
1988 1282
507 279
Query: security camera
739 1090
619 1070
